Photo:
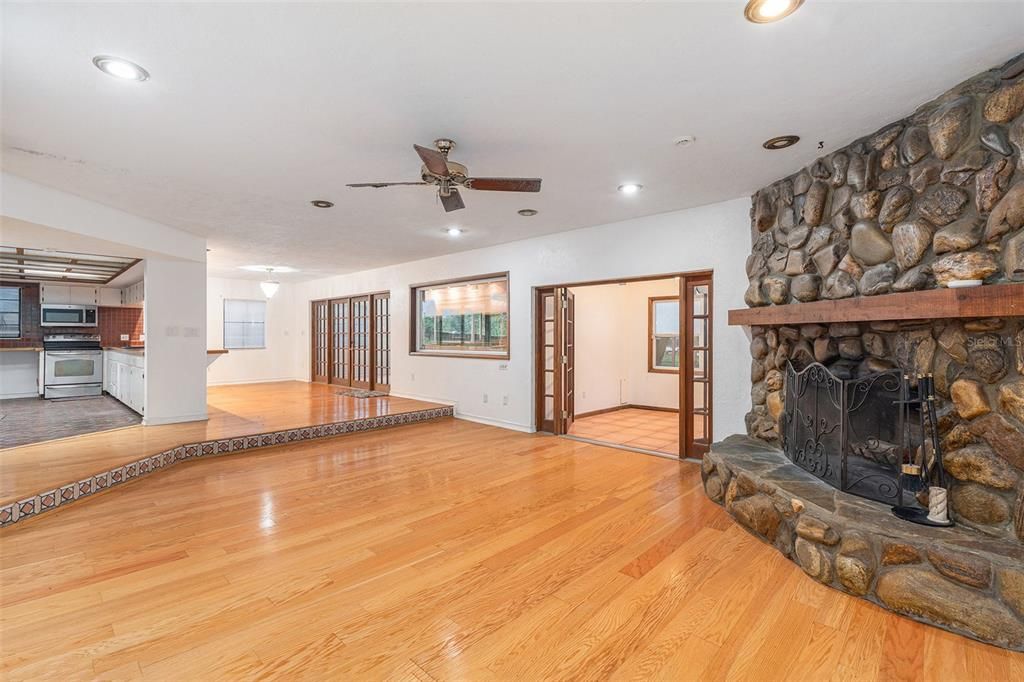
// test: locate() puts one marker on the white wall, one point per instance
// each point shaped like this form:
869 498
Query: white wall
276 362
175 324
611 347
708 237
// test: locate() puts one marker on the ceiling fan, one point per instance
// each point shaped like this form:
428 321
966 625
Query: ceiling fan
449 175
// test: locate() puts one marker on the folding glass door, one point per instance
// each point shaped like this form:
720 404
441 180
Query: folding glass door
352 341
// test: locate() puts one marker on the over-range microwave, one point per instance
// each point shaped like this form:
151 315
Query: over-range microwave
62 315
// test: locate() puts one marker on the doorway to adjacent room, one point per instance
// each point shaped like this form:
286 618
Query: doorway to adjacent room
627 362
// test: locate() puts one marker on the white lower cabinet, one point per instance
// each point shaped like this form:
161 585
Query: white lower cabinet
124 377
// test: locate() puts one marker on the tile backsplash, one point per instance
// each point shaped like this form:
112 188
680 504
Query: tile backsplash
117 321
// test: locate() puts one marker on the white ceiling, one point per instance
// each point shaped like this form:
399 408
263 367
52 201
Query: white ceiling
255 109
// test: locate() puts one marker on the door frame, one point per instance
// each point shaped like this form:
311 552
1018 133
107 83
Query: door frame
687 446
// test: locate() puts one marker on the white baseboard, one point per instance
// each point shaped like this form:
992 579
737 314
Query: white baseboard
500 423
201 417
489 421
424 398
255 381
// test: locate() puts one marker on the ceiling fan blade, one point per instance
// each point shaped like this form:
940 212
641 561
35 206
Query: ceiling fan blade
433 160
452 202
504 184
383 184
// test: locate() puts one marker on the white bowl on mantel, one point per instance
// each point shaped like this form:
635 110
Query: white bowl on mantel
964 283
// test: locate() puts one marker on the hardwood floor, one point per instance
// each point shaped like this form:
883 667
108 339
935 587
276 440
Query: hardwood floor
233 411
444 550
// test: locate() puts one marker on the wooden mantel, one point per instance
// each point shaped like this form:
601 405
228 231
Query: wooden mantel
994 300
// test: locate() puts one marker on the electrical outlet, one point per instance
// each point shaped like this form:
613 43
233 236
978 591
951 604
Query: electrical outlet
503 367
485 398
504 400
125 337
412 376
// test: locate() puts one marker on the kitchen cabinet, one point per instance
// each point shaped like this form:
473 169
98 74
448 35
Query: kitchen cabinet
124 377
69 294
134 295
110 297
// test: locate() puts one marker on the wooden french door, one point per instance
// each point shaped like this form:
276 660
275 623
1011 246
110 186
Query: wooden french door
352 341
341 342
695 322
381 326
361 336
320 335
556 369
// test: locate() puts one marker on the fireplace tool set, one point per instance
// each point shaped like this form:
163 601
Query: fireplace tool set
921 472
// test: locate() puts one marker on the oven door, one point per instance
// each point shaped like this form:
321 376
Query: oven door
66 367
53 315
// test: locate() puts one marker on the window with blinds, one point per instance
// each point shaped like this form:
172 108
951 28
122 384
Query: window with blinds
245 323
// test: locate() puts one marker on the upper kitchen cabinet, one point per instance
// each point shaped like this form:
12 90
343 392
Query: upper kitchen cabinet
69 294
133 295
110 297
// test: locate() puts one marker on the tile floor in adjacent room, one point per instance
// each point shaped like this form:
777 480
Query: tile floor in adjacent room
632 427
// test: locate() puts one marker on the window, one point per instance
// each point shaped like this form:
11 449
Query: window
663 334
10 312
466 317
244 323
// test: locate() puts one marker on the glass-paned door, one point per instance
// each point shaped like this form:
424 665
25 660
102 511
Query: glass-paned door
351 341
381 341
697 380
320 349
567 342
556 368
341 342
361 336
546 368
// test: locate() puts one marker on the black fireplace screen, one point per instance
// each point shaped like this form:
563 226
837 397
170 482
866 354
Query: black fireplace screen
848 432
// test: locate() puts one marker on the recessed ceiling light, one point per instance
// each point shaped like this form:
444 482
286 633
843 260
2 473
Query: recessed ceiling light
454 231
527 212
120 68
685 140
322 203
767 11
630 188
780 142
265 268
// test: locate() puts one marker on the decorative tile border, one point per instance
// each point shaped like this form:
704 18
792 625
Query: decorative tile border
65 494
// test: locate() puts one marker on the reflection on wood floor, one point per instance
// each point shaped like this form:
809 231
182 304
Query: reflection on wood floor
233 411
633 427
440 551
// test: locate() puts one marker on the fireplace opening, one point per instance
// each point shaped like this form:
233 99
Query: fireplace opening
854 434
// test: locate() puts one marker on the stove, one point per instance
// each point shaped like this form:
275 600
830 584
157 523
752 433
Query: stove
72 366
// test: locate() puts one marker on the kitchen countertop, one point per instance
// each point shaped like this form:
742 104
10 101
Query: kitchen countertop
23 349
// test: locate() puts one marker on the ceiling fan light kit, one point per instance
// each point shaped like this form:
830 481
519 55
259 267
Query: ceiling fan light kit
448 176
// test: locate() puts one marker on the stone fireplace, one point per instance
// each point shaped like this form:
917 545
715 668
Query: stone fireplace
848 271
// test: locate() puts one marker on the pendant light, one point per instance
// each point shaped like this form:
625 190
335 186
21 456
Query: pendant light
269 286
